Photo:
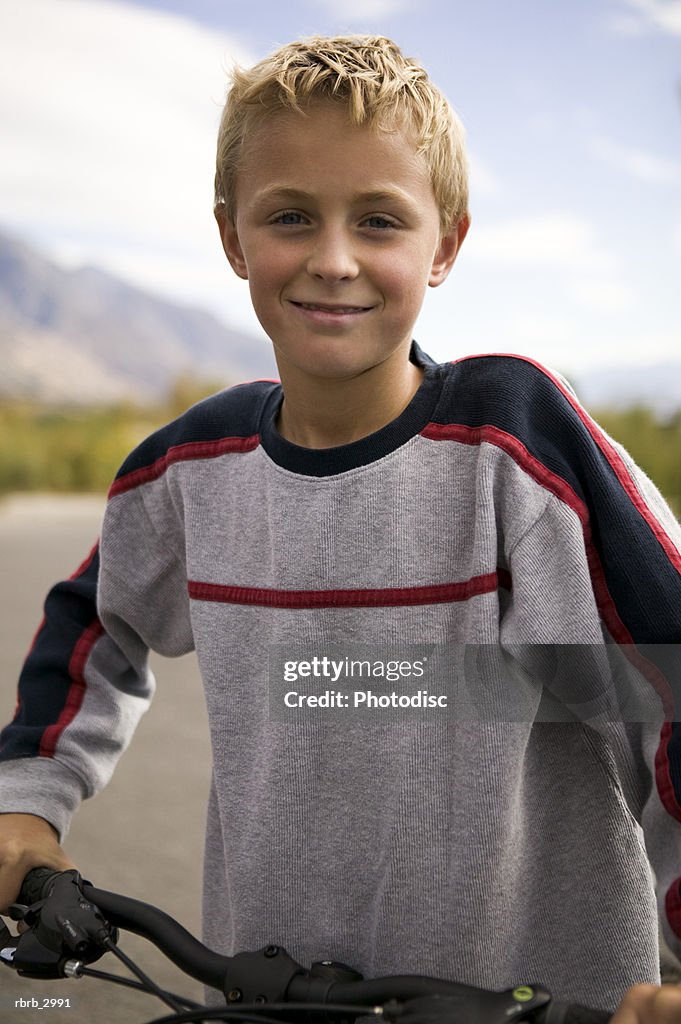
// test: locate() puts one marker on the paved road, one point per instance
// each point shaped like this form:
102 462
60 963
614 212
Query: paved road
144 834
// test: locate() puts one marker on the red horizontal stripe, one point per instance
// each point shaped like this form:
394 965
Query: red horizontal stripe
182 453
74 699
387 597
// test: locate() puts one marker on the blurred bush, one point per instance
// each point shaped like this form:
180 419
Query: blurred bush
80 449
73 449
654 443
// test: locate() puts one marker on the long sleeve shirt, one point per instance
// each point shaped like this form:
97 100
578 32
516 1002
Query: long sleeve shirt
491 844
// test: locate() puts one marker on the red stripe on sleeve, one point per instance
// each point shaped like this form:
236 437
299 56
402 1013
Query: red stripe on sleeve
74 700
82 568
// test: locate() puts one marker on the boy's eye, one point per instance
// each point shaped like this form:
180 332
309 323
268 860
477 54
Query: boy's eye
288 217
379 222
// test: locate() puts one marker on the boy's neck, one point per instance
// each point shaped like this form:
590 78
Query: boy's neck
333 412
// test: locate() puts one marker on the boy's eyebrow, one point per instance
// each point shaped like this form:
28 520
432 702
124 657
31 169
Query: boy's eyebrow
395 194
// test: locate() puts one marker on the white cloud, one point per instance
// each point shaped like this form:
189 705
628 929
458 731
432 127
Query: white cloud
643 15
637 163
625 24
108 114
603 295
642 348
550 241
531 330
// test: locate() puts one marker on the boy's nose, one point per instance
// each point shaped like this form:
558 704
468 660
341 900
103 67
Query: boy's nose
332 257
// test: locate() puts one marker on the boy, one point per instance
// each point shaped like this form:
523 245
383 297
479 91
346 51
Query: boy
374 498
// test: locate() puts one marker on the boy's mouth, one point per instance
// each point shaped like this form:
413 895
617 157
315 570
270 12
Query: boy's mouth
326 308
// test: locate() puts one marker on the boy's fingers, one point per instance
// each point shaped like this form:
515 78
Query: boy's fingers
10 883
650 1004
12 876
14 869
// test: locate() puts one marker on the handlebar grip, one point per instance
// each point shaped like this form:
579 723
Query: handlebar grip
35 885
573 1013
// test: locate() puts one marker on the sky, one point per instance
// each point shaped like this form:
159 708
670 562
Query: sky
109 112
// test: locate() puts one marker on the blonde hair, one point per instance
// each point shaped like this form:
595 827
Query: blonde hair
379 86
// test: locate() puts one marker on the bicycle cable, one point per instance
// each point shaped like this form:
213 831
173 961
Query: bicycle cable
255 1016
117 979
151 987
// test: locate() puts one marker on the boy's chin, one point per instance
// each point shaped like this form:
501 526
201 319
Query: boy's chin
328 371
338 362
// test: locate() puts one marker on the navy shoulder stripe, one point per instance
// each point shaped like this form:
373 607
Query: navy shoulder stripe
528 404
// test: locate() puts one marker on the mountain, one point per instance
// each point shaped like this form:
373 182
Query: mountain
85 336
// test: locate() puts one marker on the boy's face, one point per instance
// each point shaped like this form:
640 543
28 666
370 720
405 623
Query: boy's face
338 233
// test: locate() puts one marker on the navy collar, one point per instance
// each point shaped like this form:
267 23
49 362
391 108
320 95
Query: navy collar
330 461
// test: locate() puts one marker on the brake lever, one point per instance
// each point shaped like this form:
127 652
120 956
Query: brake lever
22 912
61 924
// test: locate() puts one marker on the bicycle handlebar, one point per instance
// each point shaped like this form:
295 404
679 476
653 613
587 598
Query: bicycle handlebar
61 902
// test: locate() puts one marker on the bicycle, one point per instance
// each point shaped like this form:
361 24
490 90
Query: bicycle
71 924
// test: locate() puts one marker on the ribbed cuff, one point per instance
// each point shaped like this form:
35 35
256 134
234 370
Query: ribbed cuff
43 787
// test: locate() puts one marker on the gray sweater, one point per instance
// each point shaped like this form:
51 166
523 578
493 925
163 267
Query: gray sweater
492 840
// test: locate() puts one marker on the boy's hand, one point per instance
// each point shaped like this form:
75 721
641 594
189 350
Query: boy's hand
26 842
650 1004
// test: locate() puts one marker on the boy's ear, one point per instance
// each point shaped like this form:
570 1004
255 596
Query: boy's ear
230 242
447 252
